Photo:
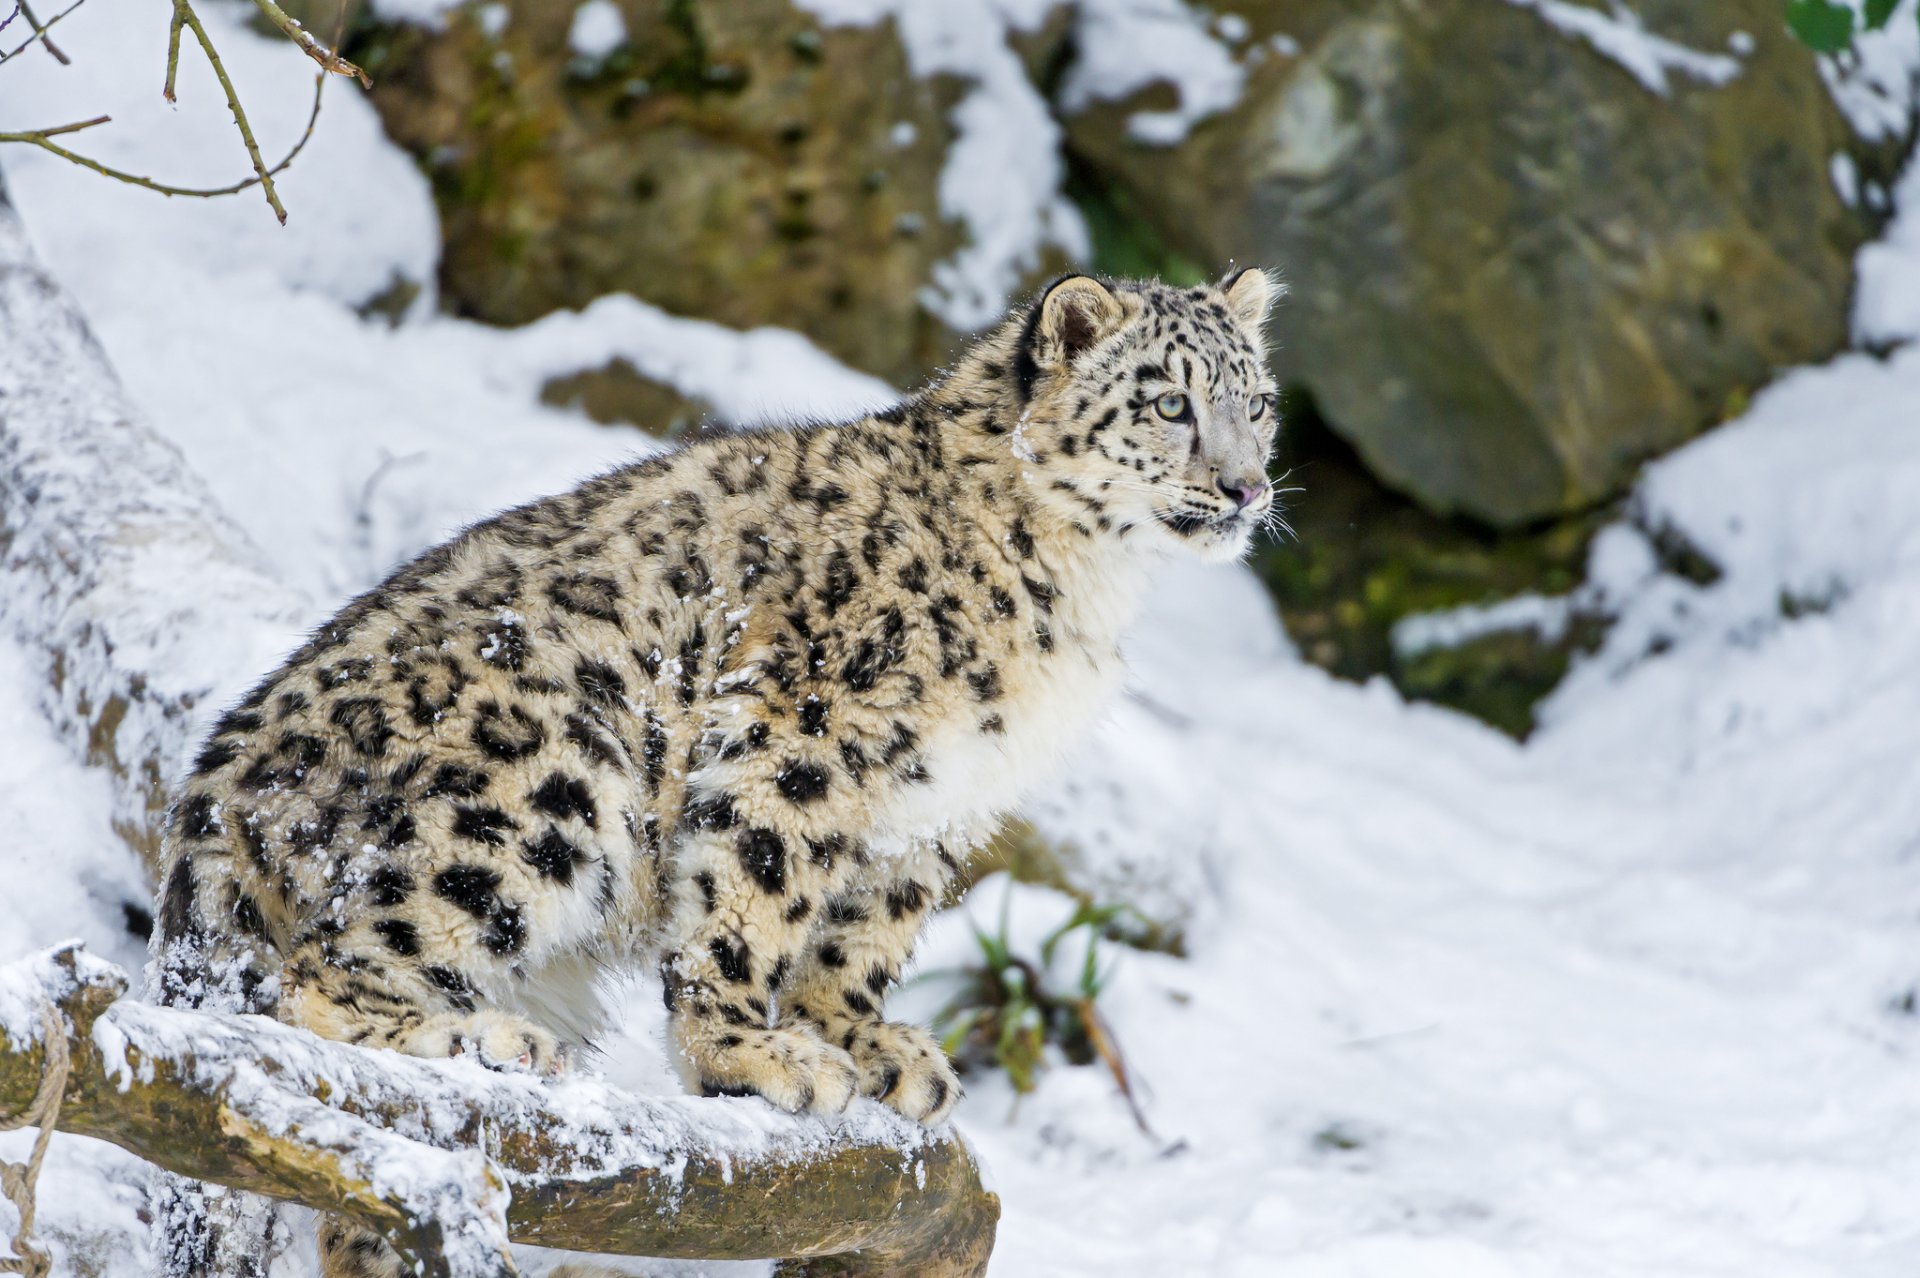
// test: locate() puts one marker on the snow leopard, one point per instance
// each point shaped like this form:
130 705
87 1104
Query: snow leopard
737 712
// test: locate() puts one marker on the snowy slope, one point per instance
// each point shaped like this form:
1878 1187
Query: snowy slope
1627 1000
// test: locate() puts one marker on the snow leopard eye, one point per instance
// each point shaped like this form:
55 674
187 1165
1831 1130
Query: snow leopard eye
1172 406
1257 407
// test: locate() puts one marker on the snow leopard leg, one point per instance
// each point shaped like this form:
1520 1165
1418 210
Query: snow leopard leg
761 843
863 939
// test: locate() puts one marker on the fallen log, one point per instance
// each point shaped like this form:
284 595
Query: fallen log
449 1161
123 574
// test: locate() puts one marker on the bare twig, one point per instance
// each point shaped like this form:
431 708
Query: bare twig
39 138
185 19
329 59
39 35
11 15
185 13
75 128
1102 1040
173 47
26 11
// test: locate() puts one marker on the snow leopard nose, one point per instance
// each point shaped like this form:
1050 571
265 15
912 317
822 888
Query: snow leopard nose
1245 492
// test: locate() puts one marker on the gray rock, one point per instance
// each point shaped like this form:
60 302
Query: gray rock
1517 270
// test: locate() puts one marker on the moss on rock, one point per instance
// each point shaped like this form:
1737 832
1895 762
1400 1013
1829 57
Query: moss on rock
1367 558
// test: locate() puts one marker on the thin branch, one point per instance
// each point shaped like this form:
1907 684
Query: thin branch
173 47
192 19
14 13
185 19
39 138
26 11
329 59
75 128
39 35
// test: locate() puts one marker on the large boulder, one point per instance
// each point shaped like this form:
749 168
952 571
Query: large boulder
731 159
1527 249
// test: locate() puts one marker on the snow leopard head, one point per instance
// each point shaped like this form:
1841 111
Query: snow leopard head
1148 411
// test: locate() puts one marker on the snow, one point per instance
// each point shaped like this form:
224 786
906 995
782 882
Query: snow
1846 178
425 13
1423 632
1886 300
1123 46
1873 83
1631 999
597 30
1622 35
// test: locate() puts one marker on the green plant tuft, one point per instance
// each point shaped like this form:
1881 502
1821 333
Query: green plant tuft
1007 1011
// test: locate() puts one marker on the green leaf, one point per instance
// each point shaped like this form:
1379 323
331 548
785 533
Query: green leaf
1090 978
1878 11
1821 25
962 1026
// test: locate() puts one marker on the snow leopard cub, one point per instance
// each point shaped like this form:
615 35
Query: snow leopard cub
739 709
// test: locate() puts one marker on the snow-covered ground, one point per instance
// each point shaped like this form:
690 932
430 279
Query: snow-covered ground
1635 998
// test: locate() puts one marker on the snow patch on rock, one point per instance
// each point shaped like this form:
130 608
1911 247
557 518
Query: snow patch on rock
1621 34
1003 173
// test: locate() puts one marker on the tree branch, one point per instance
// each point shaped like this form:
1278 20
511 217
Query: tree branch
40 32
183 12
178 21
329 59
185 19
38 137
420 1150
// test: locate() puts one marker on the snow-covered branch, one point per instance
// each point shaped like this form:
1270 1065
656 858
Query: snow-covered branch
124 574
448 1160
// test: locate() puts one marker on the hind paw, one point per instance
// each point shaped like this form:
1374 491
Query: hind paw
498 1040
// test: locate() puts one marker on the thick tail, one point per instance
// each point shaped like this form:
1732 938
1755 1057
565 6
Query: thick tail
211 950
206 958
201 1231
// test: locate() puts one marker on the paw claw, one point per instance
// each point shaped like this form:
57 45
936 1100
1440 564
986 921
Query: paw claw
902 1067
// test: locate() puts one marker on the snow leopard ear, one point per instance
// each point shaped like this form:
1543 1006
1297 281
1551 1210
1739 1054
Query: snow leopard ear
1250 294
1075 314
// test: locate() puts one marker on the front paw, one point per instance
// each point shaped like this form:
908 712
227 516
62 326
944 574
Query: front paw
903 1066
792 1068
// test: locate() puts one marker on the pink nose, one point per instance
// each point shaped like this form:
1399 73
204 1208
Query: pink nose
1244 492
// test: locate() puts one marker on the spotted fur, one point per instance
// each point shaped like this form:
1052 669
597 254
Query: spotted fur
738 710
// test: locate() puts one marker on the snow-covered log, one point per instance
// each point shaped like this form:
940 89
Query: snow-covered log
123 573
448 1160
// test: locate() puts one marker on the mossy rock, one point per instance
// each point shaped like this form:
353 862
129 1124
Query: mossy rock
1498 678
732 160
619 392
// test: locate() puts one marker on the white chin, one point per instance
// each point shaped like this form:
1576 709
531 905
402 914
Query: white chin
1225 546
1218 543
